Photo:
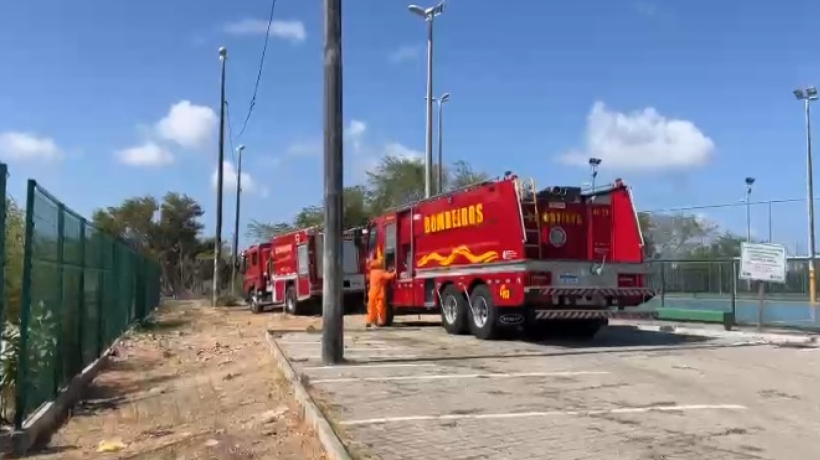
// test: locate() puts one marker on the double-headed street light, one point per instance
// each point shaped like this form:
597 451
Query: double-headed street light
440 179
807 95
428 14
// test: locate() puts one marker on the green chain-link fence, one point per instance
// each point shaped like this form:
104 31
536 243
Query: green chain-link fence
81 290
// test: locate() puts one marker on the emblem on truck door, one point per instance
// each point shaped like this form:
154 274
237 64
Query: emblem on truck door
557 236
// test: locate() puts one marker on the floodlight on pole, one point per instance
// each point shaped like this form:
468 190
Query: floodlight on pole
749 183
807 95
593 165
428 14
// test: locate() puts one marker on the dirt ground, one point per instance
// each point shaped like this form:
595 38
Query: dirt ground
197 383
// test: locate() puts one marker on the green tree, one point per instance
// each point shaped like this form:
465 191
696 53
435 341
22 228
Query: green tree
132 220
261 232
173 238
461 174
395 181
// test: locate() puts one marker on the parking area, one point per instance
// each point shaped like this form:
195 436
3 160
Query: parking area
414 392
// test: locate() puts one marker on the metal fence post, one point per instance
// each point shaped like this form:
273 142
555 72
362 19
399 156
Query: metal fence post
101 238
3 211
3 176
734 292
21 396
663 284
81 300
59 360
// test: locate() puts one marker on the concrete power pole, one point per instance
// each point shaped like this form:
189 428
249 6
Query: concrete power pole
235 251
223 56
332 307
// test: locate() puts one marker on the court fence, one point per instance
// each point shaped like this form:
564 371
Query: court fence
715 285
75 290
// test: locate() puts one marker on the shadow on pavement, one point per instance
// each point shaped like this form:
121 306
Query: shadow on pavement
626 336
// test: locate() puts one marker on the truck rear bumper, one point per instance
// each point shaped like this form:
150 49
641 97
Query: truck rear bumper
543 314
587 296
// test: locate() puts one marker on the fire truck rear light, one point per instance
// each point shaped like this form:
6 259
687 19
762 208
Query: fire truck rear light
627 280
540 278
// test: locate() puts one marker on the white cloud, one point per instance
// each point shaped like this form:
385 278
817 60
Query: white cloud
293 31
229 180
187 124
404 54
641 141
148 154
28 146
355 131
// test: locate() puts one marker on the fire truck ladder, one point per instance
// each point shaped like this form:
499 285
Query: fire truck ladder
530 198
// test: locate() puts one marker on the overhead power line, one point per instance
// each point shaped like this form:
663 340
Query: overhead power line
252 105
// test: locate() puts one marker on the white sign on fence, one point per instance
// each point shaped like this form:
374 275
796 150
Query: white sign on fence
763 262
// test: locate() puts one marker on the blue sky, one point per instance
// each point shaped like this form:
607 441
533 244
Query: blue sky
102 100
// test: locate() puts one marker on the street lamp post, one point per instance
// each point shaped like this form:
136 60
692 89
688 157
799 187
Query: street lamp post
235 250
428 14
808 95
440 179
223 56
593 166
749 183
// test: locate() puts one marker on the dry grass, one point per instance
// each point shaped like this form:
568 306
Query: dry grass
198 383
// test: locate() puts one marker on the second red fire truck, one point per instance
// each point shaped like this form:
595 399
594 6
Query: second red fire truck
288 271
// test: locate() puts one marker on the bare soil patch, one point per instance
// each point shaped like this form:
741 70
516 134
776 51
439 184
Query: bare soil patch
197 383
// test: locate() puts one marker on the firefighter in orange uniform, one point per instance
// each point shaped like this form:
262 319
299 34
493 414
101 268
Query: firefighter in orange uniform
376 306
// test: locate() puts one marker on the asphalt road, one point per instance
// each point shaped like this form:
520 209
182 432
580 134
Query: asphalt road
418 393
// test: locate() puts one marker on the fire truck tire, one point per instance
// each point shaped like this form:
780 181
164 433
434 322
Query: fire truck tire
483 314
255 302
291 302
454 310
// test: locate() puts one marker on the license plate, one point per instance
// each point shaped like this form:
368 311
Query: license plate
568 278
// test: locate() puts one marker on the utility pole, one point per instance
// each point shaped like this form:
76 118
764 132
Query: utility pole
428 14
223 56
332 307
235 251
440 180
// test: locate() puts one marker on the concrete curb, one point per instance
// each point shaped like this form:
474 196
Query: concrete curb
768 337
334 446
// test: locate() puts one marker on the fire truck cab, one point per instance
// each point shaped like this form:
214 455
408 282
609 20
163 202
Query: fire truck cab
253 266
294 271
501 255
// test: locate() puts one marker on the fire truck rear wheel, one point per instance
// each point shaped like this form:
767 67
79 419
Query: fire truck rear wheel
291 303
483 314
255 301
454 311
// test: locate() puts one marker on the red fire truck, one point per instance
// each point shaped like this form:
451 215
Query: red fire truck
254 267
292 271
500 255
